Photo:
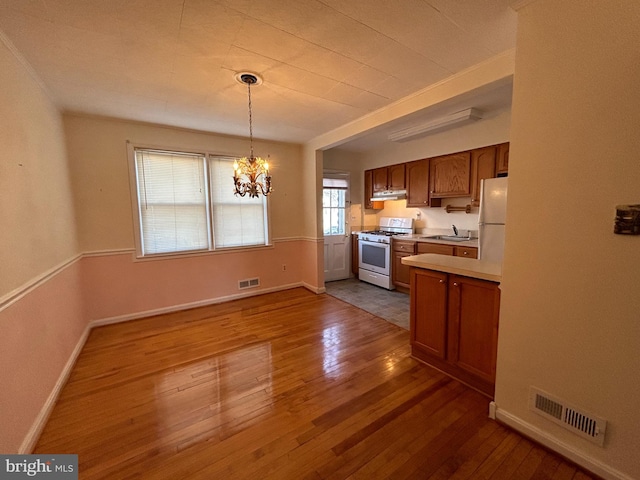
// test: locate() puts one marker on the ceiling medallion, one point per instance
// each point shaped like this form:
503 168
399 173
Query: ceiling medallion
251 174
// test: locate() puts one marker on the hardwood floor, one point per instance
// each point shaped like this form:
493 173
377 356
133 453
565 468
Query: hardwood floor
288 385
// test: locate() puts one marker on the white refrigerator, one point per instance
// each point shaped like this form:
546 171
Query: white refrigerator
491 222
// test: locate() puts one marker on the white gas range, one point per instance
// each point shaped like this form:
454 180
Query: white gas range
374 250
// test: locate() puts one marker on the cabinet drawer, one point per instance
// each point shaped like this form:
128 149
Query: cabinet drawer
468 252
425 247
404 246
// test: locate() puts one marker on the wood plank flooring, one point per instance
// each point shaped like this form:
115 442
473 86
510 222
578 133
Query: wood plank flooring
288 385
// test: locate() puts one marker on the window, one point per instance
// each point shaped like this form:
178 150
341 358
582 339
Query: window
185 203
334 204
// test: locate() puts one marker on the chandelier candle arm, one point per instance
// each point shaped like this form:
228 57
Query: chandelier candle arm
251 174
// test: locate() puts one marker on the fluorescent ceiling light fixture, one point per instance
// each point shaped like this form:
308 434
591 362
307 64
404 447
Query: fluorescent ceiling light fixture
450 121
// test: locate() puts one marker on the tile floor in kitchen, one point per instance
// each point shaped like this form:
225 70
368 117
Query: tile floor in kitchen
388 304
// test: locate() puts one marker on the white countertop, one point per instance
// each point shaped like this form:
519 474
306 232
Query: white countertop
468 267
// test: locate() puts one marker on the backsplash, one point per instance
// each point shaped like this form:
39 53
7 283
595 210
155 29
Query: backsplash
424 218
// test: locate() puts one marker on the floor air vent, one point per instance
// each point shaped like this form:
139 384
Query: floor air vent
249 283
586 425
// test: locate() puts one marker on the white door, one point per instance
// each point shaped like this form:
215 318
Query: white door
337 238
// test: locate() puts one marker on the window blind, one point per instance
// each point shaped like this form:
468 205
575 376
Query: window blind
237 221
172 201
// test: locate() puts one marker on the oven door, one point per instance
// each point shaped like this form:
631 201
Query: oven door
375 257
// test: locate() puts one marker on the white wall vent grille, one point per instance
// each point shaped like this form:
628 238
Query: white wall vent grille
578 421
249 283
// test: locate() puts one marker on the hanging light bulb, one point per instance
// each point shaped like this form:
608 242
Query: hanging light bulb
251 174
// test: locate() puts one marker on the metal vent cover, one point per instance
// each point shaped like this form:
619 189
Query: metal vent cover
249 283
576 420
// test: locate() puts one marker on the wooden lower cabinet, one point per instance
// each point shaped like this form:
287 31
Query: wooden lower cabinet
439 248
454 325
429 312
400 273
355 255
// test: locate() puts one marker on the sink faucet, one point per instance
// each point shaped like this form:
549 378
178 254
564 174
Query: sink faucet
455 230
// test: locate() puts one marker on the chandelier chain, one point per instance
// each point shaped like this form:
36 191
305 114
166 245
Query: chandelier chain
250 120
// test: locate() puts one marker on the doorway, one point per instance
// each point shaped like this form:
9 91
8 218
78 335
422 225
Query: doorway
335 226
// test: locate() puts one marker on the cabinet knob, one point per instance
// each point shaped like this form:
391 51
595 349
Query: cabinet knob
455 284
441 281
465 253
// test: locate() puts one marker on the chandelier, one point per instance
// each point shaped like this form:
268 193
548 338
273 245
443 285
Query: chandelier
251 174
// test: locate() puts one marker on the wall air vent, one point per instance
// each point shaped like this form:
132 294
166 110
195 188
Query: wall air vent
578 421
249 283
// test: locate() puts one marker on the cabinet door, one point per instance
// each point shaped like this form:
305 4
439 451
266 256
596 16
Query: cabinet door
380 180
502 162
368 191
483 165
400 272
467 252
395 177
355 258
429 311
439 248
474 307
450 175
418 183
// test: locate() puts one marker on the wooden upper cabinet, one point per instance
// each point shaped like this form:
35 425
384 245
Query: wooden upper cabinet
483 165
450 175
380 179
396 177
418 183
368 188
502 162
389 178
368 191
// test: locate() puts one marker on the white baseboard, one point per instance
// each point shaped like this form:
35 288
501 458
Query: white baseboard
546 439
34 432
316 290
200 303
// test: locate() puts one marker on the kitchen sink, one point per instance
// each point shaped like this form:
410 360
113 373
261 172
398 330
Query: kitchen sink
451 238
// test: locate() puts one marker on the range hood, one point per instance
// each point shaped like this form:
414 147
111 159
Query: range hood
389 195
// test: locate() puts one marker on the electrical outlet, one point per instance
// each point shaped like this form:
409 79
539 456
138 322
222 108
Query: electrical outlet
284 267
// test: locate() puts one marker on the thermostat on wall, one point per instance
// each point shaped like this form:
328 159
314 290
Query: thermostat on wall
627 220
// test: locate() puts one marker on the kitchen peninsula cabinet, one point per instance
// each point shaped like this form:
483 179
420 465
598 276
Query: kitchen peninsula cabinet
417 181
450 175
454 325
389 178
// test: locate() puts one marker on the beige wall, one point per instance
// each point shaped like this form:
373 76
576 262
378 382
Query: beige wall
36 209
98 158
41 319
570 305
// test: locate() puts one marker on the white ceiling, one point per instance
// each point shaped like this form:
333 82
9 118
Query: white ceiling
324 62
